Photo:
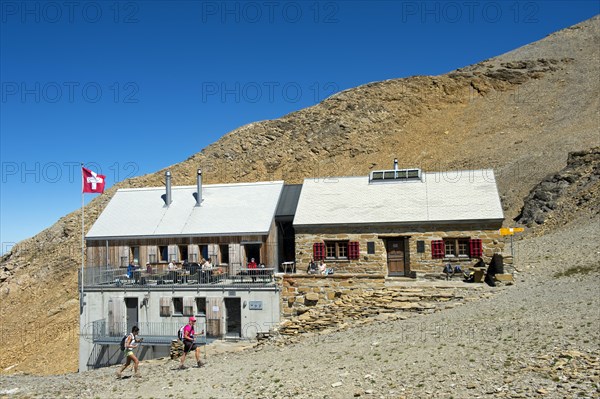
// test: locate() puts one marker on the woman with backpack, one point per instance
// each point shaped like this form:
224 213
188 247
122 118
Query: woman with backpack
189 343
128 346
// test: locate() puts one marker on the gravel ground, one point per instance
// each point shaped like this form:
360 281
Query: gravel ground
537 338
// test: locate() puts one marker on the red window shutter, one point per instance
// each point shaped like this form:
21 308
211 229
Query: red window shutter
475 247
437 249
353 250
318 251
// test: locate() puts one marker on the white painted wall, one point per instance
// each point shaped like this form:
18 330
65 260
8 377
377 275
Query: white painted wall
252 321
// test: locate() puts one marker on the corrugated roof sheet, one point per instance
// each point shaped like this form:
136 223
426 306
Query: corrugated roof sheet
439 196
227 209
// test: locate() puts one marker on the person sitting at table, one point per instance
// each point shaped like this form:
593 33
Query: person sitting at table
148 268
206 264
130 269
172 265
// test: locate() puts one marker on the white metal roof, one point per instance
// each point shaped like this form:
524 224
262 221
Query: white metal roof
227 209
466 195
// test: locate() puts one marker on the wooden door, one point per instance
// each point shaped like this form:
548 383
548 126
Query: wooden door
214 315
396 256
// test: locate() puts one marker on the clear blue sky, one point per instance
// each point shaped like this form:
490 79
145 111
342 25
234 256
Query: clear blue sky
131 87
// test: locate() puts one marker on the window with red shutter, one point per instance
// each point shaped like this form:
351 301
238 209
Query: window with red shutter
475 247
437 249
318 251
353 250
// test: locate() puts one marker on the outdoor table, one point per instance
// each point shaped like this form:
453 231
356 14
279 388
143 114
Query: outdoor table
288 265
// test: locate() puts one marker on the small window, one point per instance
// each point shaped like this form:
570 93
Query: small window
377 175
224 249
420 247
455 247
163 253
463 247
183 251
370 248
449 248
178 306
201 305
152 258
124 261
336 249
413 174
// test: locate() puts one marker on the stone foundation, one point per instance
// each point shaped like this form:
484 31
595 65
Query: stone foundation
302 291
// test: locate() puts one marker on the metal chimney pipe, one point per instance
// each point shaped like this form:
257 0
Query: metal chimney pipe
199 188
395 163
168 187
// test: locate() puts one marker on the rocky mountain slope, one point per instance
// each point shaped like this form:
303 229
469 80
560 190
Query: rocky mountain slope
562 196
520 113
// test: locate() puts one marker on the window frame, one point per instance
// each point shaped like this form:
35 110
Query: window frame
463 248
176 310
460 247
338 248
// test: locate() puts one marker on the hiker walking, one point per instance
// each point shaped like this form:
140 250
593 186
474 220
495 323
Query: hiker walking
128 347
189 343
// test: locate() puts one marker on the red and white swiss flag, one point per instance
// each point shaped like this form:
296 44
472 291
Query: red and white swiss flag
92 182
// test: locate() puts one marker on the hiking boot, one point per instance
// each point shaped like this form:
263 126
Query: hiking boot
200 364
182 367
119 375
137 375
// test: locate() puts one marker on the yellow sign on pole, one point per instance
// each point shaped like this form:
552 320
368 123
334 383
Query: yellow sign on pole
509 231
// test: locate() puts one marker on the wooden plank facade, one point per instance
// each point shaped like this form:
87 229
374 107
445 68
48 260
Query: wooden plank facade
230 250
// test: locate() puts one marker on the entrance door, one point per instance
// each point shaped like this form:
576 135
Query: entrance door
396 256
233 318
132 312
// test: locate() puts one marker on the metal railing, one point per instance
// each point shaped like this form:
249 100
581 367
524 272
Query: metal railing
156 333
94 276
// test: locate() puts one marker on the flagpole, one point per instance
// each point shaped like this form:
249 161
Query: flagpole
82 234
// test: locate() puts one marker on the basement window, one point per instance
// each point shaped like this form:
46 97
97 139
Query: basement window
178 306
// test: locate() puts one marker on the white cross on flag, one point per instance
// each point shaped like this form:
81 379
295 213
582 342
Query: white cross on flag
92 182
